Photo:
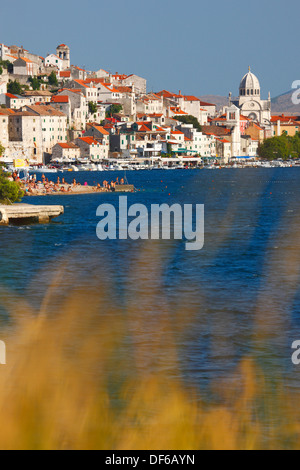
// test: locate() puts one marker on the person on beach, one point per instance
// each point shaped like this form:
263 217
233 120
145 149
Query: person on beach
98 188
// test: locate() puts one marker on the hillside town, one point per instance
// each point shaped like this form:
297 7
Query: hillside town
63 113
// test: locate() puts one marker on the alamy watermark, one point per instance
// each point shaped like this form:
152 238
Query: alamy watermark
2 353
296 354
136 222
296 94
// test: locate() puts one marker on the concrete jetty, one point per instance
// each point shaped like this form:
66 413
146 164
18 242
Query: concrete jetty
28 213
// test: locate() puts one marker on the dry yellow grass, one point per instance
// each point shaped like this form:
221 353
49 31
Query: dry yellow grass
88 377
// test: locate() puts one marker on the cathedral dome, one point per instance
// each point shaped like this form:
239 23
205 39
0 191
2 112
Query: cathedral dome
250 85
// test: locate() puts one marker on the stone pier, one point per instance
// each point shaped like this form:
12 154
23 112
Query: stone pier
28 213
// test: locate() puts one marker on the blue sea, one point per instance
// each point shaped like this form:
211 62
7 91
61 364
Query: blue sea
237 297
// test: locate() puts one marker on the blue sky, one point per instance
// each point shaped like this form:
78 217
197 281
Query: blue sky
193 46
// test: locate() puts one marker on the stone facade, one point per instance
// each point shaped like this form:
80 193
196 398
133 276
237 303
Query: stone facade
63 52
34 130
65 151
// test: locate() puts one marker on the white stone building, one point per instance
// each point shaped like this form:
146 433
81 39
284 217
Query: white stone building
139 83
24 66
79 111
4 122
108 93
4 50
37 96
91 149
198 143
250 102
15 101
63 52
66 151
53 60
34 130
149 104
3 91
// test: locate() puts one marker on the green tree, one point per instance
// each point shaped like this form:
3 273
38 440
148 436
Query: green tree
284 147
1 70
1 149
169 149
14 87
10 191
5 64
189 120
53 79
92 107
35 83
114 109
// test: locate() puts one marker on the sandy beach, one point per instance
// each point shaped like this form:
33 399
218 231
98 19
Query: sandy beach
64 191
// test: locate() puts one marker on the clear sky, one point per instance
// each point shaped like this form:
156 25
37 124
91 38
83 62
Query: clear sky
198 47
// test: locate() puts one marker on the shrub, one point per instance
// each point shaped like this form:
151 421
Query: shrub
10 191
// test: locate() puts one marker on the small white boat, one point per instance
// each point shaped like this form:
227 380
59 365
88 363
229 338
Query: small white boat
42 169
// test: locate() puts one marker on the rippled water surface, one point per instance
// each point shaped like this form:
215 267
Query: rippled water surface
240 293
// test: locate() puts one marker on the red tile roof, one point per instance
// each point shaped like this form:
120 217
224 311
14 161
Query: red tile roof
65 74
285 119
177 111
60 99
203 103
68 146
12 96
191 98
166 94
118 76
6 111
89 140
94 80
83 83
144 128
101 130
